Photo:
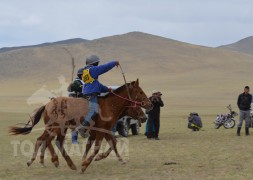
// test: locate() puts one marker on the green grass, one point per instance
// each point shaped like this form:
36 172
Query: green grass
208 154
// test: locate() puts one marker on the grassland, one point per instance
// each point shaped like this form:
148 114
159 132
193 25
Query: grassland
191 78
208 154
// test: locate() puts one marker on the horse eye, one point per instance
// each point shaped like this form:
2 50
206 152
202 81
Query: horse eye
141 92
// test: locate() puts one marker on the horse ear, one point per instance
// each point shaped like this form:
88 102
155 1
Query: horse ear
136 82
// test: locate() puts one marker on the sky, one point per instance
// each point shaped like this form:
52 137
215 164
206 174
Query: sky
202 22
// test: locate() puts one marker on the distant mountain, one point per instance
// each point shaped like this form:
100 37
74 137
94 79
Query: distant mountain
68 41
190 76
245 45
140 53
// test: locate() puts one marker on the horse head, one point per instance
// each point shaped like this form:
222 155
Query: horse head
139 95
137 113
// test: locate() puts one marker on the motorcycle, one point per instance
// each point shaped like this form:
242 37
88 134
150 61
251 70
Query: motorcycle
226 120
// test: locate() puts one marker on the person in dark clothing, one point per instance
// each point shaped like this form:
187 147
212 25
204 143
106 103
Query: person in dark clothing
75 89
194 121
244 104
154 115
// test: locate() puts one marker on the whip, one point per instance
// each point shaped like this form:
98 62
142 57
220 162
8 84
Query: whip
123 74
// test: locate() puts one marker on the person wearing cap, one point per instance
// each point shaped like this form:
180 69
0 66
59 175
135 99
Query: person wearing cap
92 88
244 104
75 89
154 115
194 121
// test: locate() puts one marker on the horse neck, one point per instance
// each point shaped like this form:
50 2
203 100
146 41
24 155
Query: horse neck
117 104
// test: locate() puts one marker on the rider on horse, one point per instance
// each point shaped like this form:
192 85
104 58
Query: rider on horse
76 87
92 87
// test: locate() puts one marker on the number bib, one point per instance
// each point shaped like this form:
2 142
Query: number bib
87 77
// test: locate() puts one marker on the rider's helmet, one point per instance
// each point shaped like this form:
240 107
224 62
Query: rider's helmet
92 60
80 71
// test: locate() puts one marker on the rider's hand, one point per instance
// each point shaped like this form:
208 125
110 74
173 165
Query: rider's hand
109 89
117 63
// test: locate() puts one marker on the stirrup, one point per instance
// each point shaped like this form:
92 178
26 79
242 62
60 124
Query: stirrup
82 131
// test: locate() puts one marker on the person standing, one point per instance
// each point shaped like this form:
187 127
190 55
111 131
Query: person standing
154 115
244 104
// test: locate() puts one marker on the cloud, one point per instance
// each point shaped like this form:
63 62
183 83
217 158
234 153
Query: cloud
30 20
203 22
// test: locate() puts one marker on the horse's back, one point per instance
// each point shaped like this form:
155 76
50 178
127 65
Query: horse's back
67 107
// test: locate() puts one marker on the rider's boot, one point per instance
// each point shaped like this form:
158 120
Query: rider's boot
86 125
82 128
74 135
238 131
247 131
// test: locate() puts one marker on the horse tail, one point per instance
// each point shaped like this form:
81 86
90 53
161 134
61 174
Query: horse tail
28 127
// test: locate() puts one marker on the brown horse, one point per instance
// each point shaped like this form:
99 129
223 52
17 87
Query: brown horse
60 112
136 113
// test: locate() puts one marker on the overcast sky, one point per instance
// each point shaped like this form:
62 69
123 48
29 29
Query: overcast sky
204 22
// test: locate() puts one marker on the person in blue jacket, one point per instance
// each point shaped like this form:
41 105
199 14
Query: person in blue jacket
92 88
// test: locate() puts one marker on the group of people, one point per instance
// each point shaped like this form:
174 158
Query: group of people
86 85
244 104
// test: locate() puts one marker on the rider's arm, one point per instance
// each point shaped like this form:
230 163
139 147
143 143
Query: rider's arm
98 70
104 89
238 101
250 98
161 102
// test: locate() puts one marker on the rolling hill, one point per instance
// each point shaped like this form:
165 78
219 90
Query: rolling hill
189 76
245 45
69 41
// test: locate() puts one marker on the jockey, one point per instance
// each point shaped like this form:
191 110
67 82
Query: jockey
76 91
93 87
77 85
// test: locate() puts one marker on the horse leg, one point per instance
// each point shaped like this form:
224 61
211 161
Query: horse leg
42 153
37 146
113 143
54 157
105 154
98 141
59 144
89 144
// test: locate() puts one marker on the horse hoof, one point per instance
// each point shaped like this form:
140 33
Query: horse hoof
123 162
42 165
29 163
73 167
56 164
98 158
83 169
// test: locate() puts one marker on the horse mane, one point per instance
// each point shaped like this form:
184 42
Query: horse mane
118 90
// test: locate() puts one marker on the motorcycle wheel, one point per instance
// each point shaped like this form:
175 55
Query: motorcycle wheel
229 124
217 126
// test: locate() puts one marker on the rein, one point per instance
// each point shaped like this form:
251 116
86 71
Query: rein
136 103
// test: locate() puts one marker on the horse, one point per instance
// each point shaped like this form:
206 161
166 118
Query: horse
60 112
136 113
